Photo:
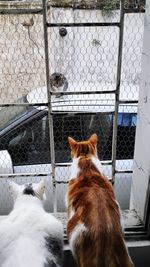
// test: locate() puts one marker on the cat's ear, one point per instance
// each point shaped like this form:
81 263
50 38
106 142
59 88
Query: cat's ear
93 139
14 189
40 189
72 143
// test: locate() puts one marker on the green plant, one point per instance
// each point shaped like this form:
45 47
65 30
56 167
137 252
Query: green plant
109 6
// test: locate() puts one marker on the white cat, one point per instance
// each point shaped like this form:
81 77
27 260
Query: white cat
29 236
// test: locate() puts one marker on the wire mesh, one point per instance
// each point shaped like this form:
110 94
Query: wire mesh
81 59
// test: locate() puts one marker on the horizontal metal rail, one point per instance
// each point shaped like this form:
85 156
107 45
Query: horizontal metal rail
128 101
123 171
69 164
81 113
23 104
13 175
82 92
55 106
85 24
67 101
61 182
134 10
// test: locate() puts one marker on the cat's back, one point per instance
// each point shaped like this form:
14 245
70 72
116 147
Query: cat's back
90 185
32 235
94 228
30 218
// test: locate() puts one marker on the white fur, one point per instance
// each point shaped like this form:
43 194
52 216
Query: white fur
78 230
66 200
74 168
23 232
74 173
71 213
97 164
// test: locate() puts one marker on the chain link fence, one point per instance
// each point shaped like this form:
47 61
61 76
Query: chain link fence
82 58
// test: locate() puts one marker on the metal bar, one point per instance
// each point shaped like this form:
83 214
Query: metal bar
50 116
85 24
63 164
81 113
62 101
61 182
58 93
68 164
106 162
119 65
13 175
23 104
128 101
82 92
123 171
134 10
20 11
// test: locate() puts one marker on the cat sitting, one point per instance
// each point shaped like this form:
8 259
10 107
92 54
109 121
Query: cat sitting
29 236
94 229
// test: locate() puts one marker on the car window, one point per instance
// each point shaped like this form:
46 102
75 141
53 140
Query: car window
30 143
126 135
11 113
81 127
27 144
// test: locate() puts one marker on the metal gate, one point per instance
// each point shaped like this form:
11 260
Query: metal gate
116 92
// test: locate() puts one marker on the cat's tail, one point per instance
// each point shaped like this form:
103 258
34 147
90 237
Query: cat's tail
112 251
120 254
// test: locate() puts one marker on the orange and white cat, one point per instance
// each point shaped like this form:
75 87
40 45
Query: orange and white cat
94 228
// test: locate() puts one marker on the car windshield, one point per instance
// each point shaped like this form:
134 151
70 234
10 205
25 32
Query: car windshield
11 113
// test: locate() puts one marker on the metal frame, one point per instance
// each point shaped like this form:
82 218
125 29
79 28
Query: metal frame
43 11
116 92
119 65
49 93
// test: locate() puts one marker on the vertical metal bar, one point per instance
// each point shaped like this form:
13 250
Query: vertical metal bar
118 80
50 116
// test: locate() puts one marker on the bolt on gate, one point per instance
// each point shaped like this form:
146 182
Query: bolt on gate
92 75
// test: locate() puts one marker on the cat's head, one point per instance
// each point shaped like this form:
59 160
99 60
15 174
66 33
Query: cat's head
30 189
83 148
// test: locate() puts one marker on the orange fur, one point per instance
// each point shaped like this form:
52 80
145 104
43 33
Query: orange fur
92 203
